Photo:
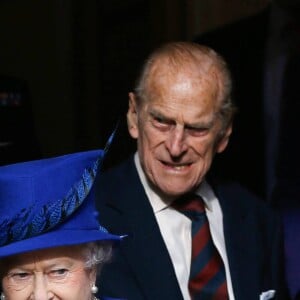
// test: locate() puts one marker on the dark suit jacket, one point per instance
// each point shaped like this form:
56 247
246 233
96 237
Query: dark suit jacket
242 44
142 268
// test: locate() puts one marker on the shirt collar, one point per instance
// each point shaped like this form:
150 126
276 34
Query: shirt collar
158 204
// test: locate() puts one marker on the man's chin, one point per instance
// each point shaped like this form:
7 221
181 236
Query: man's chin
175 191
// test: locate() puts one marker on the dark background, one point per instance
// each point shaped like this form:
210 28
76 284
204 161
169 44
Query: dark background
79 59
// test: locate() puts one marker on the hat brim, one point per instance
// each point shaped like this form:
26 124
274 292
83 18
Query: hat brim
57 239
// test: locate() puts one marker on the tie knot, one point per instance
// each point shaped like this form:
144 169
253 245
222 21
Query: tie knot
190 204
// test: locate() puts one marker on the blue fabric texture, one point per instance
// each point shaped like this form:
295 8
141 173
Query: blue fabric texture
49 203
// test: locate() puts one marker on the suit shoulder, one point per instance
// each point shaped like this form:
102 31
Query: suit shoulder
243 197
118 172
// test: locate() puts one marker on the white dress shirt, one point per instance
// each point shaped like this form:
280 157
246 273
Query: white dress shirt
176 230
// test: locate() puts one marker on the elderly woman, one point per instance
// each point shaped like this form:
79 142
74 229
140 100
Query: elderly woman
51 244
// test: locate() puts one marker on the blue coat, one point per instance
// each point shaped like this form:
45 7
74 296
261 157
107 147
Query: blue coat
142 268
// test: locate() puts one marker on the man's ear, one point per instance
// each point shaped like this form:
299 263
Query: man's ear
132 117
223 142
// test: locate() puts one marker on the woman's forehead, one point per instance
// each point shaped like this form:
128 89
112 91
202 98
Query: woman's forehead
52 255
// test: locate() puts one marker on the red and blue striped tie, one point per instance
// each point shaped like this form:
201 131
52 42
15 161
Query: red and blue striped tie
207 276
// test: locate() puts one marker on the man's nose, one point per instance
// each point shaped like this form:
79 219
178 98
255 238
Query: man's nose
176 141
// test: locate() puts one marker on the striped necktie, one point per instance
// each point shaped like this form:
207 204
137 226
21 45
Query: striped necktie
207 275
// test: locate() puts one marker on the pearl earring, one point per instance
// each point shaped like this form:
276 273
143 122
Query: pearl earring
2 297
94 289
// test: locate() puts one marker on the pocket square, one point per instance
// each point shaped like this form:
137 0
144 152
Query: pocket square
267 295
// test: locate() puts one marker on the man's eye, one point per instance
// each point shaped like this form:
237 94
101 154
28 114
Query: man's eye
195 131
161 122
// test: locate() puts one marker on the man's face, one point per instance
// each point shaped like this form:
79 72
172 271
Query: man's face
177 130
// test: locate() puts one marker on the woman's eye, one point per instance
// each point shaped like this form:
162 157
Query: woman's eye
20 276
58 273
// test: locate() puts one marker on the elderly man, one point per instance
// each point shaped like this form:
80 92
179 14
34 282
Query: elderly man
190 236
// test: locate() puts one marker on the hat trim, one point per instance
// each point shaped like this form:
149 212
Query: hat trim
54 239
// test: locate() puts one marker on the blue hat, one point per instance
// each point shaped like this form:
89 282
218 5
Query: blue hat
49 203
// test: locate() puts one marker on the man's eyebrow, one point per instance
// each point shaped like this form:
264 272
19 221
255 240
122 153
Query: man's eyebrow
200 124
157 114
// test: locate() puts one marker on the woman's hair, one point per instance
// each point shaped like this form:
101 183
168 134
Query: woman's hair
97 254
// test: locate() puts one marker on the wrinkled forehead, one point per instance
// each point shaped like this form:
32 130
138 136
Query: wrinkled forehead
198 68
74 253
196 64
166 76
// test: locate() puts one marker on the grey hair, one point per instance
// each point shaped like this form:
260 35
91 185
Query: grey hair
97 254
181 55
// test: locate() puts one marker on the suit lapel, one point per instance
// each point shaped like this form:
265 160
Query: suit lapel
144 248
239 239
